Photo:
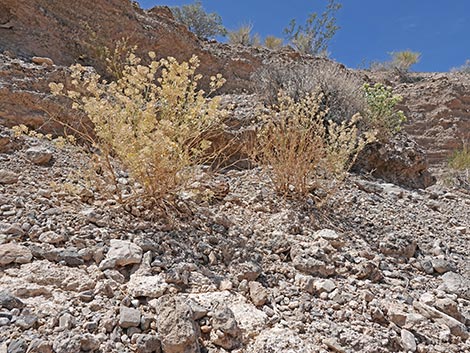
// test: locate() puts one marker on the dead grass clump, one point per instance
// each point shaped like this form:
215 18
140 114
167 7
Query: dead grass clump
303 152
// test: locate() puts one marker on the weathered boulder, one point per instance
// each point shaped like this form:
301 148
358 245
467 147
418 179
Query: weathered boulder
14 253
178 331
400 161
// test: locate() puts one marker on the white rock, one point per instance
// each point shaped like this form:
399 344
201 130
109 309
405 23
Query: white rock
408 341
122 253
147 286
12 252
39 155
51 237
250 319
8 177
129 317
324 285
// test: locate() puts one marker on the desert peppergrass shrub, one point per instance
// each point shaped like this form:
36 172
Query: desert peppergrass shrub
403 60
460 159
273 43
400 62
381 113
304 152
458 171
153 123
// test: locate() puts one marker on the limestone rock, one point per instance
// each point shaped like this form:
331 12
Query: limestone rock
225 333
122 253
248 271
18 345
456 283
14 253
51 237
324 286
176 326
8 177
9 301
147 343
408 341
39 155
129 317
311 260
147 286
258 294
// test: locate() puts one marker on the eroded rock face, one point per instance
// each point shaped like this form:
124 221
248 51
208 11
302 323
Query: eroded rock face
63 32
437 107
401 161
438 110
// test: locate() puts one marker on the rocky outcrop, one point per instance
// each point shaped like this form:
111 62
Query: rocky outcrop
78 32
400 161
437 106
25 95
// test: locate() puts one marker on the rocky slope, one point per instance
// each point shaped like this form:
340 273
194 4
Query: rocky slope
380 269
437 104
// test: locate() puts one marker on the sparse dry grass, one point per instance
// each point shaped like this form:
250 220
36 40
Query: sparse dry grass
303 152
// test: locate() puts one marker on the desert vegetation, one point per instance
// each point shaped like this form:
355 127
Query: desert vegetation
306 153
400 62
381 113
198 21
212 198
244 36
314 36
153 125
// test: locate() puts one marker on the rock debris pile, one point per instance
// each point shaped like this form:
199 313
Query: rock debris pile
380 269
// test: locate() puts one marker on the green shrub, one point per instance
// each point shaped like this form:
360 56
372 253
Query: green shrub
152 122
313 37
381 113
201 23
243 36
302 151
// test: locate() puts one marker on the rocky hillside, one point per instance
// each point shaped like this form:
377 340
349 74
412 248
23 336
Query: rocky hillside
437 105
380 268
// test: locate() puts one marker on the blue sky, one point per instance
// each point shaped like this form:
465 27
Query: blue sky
370 29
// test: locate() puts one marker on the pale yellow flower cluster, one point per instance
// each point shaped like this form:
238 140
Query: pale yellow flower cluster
154 120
